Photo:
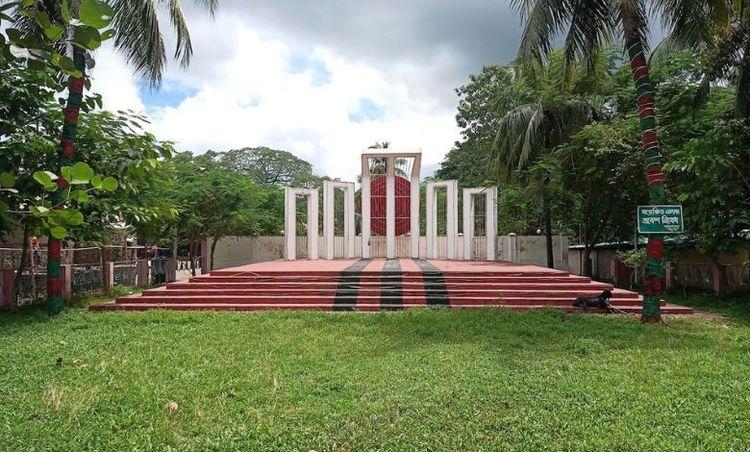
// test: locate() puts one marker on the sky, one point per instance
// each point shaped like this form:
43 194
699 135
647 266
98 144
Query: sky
323 80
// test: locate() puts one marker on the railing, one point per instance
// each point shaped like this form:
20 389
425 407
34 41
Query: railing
86 278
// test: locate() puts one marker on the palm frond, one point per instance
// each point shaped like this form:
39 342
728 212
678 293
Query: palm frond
742 101
591 26
693 23
544 19
184 47
665 49
139 38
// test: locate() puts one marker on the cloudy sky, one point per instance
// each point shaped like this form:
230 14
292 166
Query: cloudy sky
321 79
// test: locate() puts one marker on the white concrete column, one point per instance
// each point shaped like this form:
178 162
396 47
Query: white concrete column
491 222
349 221
290 223
365 207
451 207
312 223
431 211
329 216
390 209
468 223
414 205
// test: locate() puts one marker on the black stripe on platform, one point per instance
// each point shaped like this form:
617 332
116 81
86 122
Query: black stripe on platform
392 287
435 290
348 286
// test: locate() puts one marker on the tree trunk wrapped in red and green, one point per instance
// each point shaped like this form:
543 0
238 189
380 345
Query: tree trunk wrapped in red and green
654 174
66 155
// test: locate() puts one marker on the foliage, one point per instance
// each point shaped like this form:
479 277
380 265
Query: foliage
270 166
601 168
212 200
118 144
110 143
635 258
55 218
711 177
37 33
441 380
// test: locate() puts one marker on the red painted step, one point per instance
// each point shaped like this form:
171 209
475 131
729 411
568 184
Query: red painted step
314 299
375 291
512 286
667 309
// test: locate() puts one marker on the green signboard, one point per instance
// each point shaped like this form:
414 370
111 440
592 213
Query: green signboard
660 220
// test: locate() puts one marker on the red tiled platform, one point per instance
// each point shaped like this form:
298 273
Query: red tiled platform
378 284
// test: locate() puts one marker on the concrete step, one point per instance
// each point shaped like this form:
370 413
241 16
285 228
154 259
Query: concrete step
384 276
572 285
316 299
376 291
635 309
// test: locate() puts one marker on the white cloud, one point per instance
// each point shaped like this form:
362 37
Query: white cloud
248 94
113 79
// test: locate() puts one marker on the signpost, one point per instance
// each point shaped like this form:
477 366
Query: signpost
660 220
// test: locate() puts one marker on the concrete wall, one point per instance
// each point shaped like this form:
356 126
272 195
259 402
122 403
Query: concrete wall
234 251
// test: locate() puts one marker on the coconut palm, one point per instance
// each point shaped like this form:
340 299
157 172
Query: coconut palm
724 54
588 25
140 40
529 131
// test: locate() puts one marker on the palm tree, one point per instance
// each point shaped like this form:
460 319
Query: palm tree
139 38
588 25
529 131
724 52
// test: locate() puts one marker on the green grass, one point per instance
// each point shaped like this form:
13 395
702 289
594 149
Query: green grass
438 380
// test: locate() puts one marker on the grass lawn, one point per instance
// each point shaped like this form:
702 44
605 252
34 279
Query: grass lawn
439 380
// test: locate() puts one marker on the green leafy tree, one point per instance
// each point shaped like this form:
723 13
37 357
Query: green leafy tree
555 110
600 167
44 27
268 166
587 27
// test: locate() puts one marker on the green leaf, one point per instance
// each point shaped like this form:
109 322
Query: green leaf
96 182
65 11
87 37
109 34
72 217
66 172
44 177
58 232
81 173
39 211
7 180
95 13
109 184
80 196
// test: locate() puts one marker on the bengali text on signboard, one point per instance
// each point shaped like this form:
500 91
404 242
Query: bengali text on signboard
660 220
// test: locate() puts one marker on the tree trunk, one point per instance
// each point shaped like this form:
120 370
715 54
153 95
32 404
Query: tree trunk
191 252
655 176
213 250
66 154
13 306
548 230
103 262
586 270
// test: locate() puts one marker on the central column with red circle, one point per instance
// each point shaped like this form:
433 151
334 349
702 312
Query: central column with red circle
378 205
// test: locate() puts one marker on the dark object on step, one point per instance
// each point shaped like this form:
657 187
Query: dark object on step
601 301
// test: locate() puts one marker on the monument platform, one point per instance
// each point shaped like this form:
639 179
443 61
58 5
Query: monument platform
376 285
